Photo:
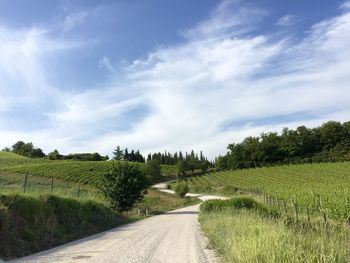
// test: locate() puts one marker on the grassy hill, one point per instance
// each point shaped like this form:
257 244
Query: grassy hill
85 172
321 188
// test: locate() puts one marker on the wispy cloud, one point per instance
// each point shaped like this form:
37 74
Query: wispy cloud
286 20
105 63
205 92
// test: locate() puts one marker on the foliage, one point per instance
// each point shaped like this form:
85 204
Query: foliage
329 142
27 149
172 159
181 189
320 187
118 154
133 156
30 224
124 185
153 170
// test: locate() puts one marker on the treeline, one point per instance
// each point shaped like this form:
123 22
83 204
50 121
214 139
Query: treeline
29 150
327 143
168 158
132 156
192 162
185 162
55 155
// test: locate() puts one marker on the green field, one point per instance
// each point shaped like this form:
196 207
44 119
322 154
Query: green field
84 172
321 188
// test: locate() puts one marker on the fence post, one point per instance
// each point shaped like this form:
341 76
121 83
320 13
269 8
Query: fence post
308 214
25 182
78 189
67 188
325 219
51 184
296 212
285 207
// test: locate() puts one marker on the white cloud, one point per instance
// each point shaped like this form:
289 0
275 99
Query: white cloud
286 20
217 78
345 5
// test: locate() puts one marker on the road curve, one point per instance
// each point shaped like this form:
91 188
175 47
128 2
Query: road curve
171 237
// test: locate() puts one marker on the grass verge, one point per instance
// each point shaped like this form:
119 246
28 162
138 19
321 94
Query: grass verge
245 231
29 224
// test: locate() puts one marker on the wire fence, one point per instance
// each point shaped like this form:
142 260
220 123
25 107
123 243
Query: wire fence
24 183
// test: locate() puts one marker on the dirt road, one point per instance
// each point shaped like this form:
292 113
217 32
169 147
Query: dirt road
171 237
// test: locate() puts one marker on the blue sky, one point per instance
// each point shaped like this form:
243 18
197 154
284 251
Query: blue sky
83 76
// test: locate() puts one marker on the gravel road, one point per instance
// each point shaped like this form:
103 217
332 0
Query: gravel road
171 237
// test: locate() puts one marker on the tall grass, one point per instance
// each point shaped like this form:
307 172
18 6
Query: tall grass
243 235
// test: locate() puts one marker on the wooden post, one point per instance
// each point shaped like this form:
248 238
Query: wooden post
325 219
25 182
78 189
308 214
296 212
146 211
51 184
285 207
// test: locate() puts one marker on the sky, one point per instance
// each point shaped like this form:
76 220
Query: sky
155 75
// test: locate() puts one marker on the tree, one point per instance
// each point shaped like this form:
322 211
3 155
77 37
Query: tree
6 149
181 167
27 149
118 154
55 155
152 170
124 185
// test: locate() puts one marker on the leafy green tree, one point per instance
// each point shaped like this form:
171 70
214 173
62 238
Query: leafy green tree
55 155
124 185
118 154
153 170
27 149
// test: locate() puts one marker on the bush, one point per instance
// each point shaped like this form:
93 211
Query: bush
238 203
124 185
181 189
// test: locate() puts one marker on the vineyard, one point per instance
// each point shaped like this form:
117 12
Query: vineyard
84 172
168 169
317 188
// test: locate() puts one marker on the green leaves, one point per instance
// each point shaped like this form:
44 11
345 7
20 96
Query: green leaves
124 185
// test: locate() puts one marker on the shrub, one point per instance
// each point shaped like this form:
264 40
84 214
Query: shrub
238 203
181 189
124 185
